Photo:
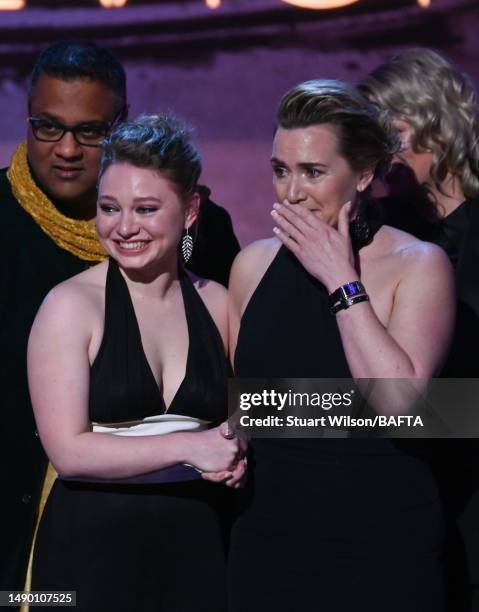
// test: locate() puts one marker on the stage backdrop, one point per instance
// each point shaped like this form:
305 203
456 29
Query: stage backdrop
224 71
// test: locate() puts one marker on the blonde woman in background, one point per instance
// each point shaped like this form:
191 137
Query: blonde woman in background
435 108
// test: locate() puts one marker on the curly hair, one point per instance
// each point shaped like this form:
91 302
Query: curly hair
160 142
426 91
362 139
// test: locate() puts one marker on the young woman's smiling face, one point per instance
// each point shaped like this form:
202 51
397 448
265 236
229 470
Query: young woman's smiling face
140 216
309 171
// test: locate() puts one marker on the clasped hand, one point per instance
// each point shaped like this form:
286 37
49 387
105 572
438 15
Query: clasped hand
224 448
325 252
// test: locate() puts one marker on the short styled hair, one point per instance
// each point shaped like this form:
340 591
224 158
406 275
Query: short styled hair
424 89
70 60
363 141
159 142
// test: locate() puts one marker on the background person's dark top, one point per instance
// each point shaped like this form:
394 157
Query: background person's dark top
458 235
455 461
30 266
215 245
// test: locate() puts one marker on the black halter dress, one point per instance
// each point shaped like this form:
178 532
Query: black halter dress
328 525
134 547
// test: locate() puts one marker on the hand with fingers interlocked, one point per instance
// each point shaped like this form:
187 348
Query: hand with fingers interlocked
324 251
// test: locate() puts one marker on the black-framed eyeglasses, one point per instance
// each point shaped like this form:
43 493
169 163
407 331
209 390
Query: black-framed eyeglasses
86 134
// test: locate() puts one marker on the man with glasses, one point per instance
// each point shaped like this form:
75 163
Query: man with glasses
48 199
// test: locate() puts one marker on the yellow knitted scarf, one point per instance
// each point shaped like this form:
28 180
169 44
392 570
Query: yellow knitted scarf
76 237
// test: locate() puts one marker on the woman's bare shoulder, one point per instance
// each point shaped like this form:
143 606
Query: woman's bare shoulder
209 290
410 249
390 239
260 249
248 269
417 266
79 294
253 261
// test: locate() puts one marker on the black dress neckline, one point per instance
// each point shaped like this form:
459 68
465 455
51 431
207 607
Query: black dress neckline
122 384
182 280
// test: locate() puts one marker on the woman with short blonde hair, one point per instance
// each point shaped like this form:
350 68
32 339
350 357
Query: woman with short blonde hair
332 524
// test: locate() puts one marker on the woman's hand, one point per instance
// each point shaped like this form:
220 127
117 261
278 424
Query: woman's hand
236 475
326 253
231 478
212 451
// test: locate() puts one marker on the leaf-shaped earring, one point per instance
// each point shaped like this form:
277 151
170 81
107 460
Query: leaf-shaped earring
186 246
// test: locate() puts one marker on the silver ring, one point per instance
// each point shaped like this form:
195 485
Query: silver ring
230 433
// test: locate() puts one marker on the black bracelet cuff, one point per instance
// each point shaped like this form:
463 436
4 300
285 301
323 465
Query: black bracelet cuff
347 295
343 304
